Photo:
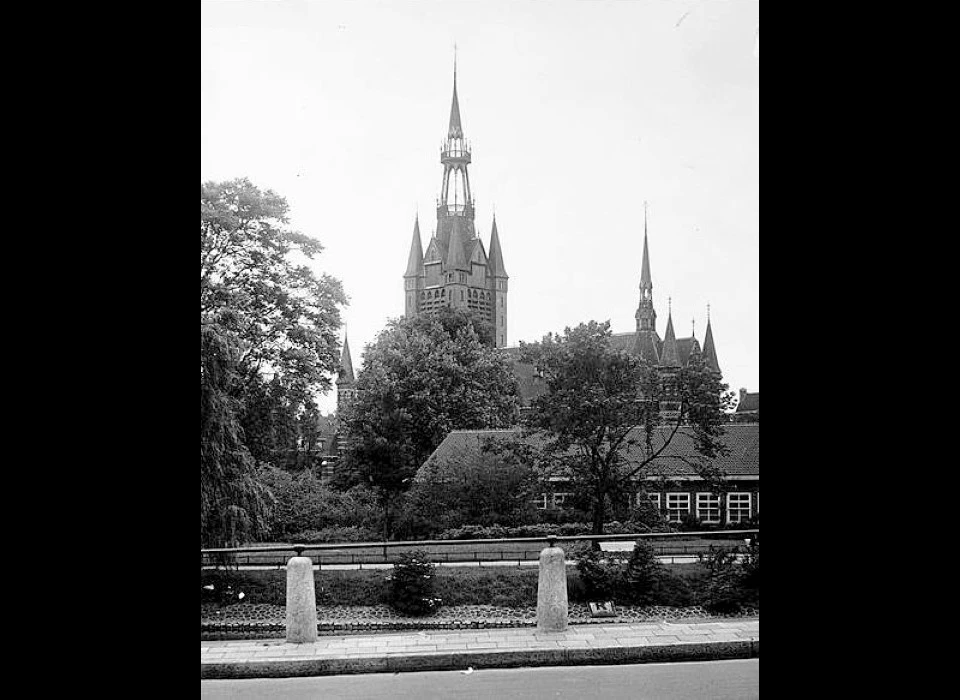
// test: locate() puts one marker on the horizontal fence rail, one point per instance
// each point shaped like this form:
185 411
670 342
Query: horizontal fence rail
457 551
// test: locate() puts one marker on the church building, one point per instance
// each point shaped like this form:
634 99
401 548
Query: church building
456 270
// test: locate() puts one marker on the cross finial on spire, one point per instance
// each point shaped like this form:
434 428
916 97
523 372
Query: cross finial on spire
669 305
644 218
708 312
693 327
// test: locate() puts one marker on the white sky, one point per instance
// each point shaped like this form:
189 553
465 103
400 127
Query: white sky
577 112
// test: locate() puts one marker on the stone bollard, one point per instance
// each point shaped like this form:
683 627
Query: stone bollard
552 590
301 602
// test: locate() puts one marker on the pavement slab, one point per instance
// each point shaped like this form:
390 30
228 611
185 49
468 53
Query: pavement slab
497 648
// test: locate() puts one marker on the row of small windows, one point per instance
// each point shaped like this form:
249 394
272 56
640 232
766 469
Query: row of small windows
740 506
442 293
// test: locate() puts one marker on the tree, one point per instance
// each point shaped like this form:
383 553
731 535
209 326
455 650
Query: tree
488 488
422 378
254 284
600 421
233 504
263 312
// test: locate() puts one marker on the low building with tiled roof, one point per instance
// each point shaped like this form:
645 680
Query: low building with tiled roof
671 481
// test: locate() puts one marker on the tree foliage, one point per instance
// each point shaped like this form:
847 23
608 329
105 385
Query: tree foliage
600 421
484 489
254 282
422 378
233 504
268 343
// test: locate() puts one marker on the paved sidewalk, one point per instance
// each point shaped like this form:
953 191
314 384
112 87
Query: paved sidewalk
434 650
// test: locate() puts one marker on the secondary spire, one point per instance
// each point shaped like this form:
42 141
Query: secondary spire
456 130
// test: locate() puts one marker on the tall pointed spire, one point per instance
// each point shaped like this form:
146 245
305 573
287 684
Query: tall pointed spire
496 252
455 131
415 261
646 315
346 377
709 349
670 357
645 281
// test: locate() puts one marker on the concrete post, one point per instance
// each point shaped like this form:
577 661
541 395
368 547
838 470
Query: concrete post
301 602
552 590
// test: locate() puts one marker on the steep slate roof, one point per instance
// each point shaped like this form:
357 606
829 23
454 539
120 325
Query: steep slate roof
749 402
531 385
456 257
669 352
496 254
647 345
685 346
346 365
709 350
645 281
455 131
741 440
415 261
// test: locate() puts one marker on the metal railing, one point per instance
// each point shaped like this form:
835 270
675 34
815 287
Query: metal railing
377 552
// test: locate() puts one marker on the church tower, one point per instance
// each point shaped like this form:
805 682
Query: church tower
456 271
648 342
346 393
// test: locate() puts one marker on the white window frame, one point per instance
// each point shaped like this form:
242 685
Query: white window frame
541 501
678 504
736 500
708 507
562 496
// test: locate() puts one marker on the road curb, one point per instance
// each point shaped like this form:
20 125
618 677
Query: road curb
451 661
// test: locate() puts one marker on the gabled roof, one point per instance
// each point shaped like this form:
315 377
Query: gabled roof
741 440
433 251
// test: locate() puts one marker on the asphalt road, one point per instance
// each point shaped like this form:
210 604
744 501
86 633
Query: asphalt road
716 680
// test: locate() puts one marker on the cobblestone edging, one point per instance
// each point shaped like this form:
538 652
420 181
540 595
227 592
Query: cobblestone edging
263 621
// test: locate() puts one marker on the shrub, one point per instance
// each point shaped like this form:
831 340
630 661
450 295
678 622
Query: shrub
644 574
724 591
601 573
304 504
411 585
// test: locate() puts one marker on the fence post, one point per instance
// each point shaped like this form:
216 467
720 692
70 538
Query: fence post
301 601
552 589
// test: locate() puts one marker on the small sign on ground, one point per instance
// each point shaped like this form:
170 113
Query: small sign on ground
604 609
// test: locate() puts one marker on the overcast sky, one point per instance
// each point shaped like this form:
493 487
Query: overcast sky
577 112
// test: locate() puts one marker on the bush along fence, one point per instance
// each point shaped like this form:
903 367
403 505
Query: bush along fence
725 581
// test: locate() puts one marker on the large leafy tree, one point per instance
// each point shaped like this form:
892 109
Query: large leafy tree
599 422
255 283
268 343
421 379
